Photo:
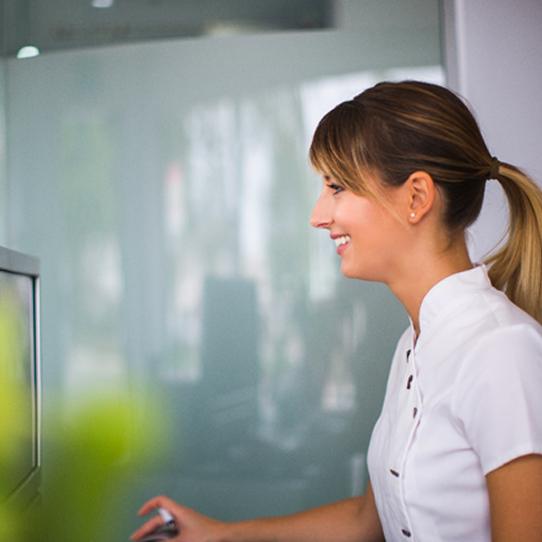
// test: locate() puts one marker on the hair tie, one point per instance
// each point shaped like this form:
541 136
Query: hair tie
494 167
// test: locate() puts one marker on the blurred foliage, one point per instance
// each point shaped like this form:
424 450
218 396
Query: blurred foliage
92 456
93 448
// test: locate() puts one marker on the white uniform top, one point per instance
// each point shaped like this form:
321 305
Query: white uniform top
464 400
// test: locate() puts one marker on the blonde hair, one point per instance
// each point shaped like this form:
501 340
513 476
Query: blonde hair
394 129
516 267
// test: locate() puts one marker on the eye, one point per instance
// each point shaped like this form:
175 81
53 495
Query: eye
335 188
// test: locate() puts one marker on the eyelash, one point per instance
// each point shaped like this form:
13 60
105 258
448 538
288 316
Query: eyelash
335 188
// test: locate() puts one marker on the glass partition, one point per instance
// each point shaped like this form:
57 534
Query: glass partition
166 190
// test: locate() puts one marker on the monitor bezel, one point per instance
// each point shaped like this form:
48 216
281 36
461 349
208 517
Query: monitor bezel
23 264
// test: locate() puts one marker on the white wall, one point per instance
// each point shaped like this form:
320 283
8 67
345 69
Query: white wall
494 59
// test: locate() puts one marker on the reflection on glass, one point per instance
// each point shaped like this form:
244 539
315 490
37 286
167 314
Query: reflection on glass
182 192
280 350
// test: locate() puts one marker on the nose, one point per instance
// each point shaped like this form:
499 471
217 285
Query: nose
321 214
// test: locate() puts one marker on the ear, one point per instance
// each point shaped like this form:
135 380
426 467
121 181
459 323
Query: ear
421 193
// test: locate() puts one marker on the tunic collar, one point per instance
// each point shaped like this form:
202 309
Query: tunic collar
450 293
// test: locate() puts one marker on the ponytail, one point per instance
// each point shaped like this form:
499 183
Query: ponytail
516 268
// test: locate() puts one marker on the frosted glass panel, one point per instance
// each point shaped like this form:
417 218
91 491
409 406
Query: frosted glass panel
166 189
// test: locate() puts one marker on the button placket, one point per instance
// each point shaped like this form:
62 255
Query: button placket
412 387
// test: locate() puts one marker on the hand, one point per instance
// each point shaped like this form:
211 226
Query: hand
193 527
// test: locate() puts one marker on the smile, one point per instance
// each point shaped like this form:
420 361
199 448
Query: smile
343 240
341 243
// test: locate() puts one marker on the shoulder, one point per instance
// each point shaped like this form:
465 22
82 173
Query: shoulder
497 401
501 356
504 351
504 333
491 325
504 312
510 339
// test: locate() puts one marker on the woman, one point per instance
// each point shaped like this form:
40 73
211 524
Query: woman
456 454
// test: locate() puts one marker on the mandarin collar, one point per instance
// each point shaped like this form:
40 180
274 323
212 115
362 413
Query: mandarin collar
449 293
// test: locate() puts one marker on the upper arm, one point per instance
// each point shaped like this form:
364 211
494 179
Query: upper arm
515 500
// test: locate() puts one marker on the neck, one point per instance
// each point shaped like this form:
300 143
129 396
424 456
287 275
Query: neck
422 272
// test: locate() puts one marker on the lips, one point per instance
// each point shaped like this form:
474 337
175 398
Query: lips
341 242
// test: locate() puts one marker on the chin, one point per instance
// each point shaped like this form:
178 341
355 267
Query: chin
350 273
359 274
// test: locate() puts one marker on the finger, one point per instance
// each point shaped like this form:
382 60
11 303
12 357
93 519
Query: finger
158 502
147 528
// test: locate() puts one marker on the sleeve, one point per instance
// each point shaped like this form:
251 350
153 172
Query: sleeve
498 400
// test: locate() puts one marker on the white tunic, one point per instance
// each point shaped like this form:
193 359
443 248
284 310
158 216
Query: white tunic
466 399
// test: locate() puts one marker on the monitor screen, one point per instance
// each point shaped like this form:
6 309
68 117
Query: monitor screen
19 371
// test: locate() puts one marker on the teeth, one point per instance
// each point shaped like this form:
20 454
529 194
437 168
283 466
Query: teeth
342 240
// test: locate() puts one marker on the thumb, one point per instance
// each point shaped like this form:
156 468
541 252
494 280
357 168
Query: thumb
161 501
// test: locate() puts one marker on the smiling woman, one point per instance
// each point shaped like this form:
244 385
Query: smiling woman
404 168
452 457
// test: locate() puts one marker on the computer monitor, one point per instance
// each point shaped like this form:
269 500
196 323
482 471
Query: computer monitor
20 372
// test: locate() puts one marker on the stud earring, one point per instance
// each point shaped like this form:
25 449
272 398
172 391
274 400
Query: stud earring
412 215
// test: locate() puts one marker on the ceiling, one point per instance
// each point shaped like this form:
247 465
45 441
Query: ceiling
66 24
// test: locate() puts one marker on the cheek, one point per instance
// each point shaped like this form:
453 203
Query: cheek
379 233
370 223
356 215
